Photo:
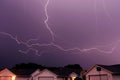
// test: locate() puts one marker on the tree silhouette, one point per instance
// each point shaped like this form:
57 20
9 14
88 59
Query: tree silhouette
77 78
27 66
73 66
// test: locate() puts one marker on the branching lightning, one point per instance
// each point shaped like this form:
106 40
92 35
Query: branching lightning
30 45
15 38
115 45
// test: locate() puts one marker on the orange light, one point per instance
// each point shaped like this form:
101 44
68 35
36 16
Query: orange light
13 77
73 78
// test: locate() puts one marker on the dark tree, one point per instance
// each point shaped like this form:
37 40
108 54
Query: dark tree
27 66
73 66
77 78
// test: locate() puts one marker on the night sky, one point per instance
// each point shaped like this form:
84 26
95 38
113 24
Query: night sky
86 32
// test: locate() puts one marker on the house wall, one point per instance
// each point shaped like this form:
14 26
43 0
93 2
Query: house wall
116 77
21 78
94 72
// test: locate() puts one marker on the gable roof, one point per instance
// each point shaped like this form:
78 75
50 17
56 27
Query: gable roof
115 69
6 70
36 72
98 66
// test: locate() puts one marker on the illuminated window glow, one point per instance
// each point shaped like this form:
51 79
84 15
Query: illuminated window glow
13 77
73 78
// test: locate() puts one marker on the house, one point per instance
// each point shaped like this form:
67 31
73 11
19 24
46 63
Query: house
10 74
39 74
103 72
7 75
22 74
55 74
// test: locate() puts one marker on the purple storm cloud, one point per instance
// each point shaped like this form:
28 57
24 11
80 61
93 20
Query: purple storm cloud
59 32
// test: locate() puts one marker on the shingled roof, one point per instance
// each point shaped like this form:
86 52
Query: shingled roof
115 69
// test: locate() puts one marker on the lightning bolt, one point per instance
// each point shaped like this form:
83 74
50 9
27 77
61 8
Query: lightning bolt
30 45
15 38
115 45
46 20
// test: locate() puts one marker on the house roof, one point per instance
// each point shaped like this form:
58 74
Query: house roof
6 70
102 66
64 71
23 72
115 69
